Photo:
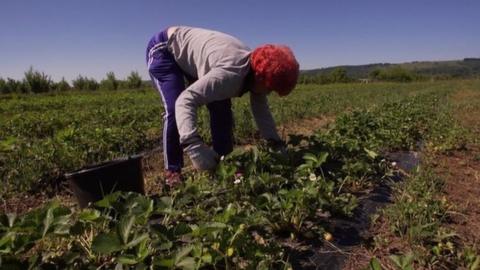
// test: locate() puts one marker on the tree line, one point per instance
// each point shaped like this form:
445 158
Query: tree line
340 75
38 82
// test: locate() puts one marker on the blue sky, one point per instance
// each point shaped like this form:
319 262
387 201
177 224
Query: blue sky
92 37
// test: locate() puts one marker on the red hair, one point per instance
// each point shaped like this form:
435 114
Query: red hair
276 66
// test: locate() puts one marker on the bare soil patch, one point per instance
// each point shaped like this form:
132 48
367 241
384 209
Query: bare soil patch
305 126
461 171
23 203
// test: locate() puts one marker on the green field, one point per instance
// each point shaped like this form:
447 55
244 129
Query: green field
44 136
240 216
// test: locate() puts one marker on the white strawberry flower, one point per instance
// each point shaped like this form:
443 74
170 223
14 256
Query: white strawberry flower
238 178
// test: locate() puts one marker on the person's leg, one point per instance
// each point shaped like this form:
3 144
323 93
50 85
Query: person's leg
221 124
169 80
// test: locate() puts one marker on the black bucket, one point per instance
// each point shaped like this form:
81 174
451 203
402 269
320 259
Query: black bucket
92 183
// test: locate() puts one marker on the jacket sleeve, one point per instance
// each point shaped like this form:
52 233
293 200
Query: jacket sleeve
217 84
263 117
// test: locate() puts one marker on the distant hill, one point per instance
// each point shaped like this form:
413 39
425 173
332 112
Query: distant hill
468 67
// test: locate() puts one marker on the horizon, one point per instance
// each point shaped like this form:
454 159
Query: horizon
92 38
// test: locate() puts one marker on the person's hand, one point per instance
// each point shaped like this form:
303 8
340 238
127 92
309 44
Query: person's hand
203 157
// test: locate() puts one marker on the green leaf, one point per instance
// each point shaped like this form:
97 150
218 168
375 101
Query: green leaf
62 225
62 229
169 263
212 227
47 221
475 265
89 214
304 167
403 262
8 144
127 259
125 226
143 250
182 253
165 246
11 219
187 263
322 158
267 196
181 229
106 243
108 200
371 153
310 157
166 201
143 207
207 258
137 240
9 237
375 264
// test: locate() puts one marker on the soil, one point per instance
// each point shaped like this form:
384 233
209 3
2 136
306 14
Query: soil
461 171
26 202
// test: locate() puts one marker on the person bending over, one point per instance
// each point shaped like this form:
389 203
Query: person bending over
218 67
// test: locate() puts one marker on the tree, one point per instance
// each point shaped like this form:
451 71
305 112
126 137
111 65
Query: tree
13 86
110 83
375 74
62 85
84 83
79 83
395 74
37 82
3 86
339 75
134 81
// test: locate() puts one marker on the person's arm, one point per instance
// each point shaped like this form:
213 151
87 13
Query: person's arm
263 117
217 84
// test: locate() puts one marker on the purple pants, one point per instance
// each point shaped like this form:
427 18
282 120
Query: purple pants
169 79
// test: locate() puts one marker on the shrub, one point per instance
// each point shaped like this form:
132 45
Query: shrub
134 81
84 83
395 74
62 85
339 75
37 82
3 86
110 83
13 86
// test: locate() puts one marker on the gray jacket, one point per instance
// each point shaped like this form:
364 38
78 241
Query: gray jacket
221 64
